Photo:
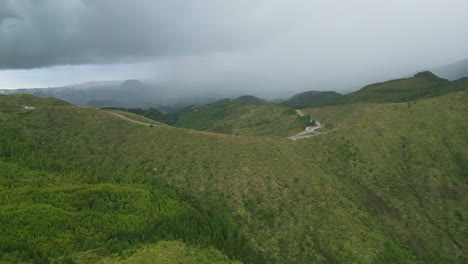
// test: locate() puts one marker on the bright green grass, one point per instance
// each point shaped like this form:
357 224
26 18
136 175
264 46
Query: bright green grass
161 252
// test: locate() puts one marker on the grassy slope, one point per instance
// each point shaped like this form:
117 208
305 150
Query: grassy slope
422 85
409 160
150 113
135 117
365 190
162 252
243 119
309 99
29 100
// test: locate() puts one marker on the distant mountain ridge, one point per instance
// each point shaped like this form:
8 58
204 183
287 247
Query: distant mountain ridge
129 94
309 98
169 97
422 85
250 99
452 71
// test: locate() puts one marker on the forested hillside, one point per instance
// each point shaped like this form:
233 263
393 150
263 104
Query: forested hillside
383 183
243 119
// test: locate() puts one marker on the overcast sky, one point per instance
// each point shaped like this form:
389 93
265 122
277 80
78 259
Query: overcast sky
269 44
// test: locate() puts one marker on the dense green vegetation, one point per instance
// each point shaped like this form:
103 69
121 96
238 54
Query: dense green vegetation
410 161
161 252
44 218
383 183
53 204
243 119
150 113
242 116
422 85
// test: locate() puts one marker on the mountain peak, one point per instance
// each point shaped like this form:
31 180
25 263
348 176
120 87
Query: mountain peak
135 84
250 99
426 75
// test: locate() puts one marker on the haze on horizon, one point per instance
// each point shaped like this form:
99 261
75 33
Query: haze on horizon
263 45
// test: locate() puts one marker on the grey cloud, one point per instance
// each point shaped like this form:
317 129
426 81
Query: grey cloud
56 32
6 11
262 44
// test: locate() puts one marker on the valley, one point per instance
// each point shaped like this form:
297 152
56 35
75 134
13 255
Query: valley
385 183
230 132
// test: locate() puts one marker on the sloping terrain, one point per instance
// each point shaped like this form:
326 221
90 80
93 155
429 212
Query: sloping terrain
243 119
249 99
383 183
422 85
150 113
309 99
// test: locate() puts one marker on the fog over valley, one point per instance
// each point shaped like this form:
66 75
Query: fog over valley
269 48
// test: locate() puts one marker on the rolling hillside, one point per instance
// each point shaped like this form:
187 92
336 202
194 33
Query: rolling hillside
250 99
309 99
243 119
422 85
383 183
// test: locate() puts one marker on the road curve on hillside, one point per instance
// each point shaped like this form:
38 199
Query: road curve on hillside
309 131
131 120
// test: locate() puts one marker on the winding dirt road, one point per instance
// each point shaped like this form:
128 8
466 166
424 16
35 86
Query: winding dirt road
131 120
309 131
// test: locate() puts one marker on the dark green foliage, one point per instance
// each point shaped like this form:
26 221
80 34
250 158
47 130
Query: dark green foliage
422 85
306 120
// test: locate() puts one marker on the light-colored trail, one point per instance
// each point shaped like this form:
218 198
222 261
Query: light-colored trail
131 120
309 131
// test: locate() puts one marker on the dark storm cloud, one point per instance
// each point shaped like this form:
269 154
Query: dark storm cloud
254 44
6 11
56 32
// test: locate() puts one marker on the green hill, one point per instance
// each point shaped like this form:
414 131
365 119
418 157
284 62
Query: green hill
150 113
19 100
422 85
309 99
383 183
243 119
249 99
